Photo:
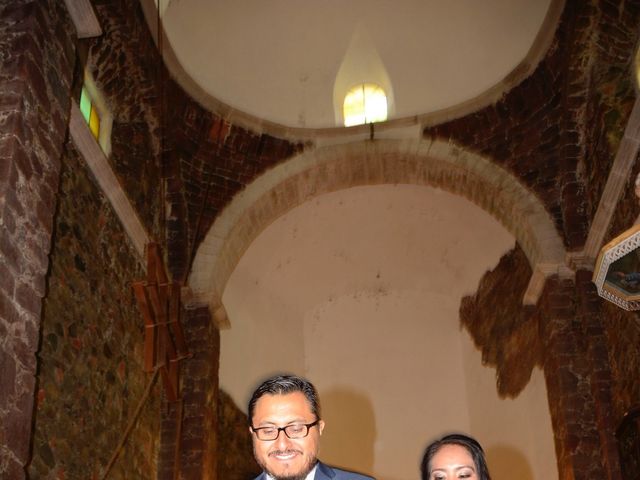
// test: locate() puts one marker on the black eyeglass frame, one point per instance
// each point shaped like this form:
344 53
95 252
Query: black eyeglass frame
284 429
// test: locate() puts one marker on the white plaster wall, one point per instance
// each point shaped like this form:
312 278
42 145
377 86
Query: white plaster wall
517 433
359 290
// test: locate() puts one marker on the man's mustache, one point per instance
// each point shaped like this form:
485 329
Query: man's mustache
285 452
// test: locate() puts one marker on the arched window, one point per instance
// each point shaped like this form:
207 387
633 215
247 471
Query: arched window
364 103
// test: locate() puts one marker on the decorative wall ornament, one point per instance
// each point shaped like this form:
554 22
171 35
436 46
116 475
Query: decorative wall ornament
617 272
159 303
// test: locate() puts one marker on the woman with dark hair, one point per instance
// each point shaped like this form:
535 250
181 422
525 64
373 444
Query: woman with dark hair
453 457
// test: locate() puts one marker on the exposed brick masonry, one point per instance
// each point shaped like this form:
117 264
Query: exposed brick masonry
612 92
589 307
564 334
623 334
567 373
556 131
36 63
198 441
621 328
208 162
559 131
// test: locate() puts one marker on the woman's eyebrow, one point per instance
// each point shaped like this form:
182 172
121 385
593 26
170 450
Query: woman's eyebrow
466 466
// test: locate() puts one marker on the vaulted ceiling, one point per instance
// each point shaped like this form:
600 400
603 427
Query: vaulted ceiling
291 62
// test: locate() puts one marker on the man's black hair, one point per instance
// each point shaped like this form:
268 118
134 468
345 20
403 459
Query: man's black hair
281 385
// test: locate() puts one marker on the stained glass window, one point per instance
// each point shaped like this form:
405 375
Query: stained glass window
364 103
90 113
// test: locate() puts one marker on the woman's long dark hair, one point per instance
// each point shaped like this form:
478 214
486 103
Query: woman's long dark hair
472 446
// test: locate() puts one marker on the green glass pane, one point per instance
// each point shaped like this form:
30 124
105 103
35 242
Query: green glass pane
85 104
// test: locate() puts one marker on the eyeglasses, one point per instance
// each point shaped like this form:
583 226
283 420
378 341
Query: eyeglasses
296 430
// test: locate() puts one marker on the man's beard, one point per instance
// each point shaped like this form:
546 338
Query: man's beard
301 475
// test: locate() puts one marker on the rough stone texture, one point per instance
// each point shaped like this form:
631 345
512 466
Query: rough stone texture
612 92
623 334
505 332
126 67
568 377
559 132
559 129
621 328
235 456
90 362
567 335
36 63
197 410
597 353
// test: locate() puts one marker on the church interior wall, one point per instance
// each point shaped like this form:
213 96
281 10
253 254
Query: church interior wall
70 334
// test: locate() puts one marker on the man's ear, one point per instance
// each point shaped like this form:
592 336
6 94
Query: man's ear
320 426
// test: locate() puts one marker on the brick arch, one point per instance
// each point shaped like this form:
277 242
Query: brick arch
326 169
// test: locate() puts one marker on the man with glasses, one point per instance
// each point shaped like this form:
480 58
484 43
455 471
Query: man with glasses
284 419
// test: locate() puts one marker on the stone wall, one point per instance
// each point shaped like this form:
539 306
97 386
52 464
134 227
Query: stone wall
622 328
568 377
127 69
91 377
36 64
90 332
90 360
558 131
611 94
623 334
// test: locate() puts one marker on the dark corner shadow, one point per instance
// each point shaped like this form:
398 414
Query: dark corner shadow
508 462
350 432
234 452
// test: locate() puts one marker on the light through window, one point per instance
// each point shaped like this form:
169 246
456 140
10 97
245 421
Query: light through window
90 113
364 103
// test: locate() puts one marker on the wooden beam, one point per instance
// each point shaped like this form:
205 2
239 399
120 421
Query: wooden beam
84 18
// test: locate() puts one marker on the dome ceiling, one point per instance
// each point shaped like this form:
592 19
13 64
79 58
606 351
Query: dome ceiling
290 63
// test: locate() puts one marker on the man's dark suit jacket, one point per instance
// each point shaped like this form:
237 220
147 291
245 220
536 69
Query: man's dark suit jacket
325 472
